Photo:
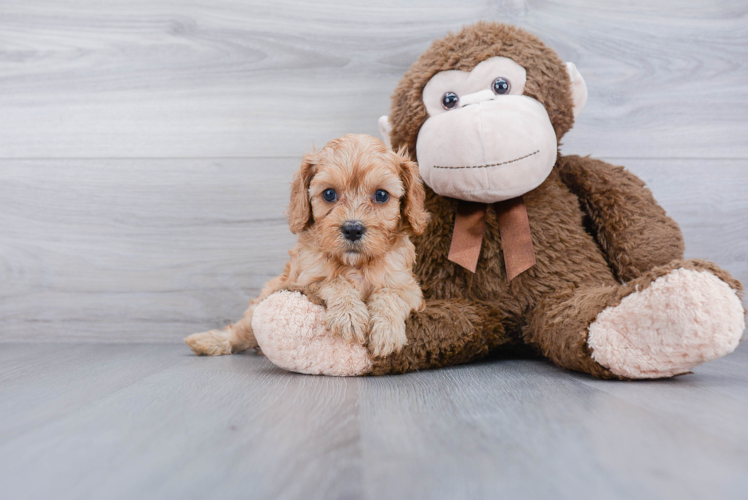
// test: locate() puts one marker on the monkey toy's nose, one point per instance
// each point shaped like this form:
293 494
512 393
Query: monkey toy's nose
476 97
352 230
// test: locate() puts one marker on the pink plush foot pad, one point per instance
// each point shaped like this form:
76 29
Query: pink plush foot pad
681 320
292 334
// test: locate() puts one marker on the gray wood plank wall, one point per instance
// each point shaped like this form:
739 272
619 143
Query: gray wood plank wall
146 147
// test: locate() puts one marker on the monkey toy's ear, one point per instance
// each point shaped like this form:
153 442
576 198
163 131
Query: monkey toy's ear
385 128
578 88
300 209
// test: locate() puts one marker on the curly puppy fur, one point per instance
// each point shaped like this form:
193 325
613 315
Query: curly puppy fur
367 284
593 226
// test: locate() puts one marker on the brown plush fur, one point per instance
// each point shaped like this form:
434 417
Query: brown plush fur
611 195
593 226
367 285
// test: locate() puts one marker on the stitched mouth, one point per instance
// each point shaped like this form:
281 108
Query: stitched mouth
491 164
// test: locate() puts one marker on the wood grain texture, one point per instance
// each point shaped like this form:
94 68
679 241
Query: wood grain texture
152 250
80 421
142 249
85 78
150 211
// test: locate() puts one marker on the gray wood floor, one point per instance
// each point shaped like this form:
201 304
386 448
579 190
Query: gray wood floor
152 421
145 154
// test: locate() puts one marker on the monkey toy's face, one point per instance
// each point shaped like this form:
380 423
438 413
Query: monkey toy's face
485 133
484 141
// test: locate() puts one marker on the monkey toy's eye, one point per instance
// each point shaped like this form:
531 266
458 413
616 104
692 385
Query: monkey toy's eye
450 100
501 86
381 196
329 195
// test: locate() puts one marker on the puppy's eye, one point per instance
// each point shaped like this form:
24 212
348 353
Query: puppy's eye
381 196
450 100
329 195
501 86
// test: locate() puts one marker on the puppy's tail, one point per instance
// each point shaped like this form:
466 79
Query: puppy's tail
231 340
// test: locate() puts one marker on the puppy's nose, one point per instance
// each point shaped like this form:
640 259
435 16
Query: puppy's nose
352 230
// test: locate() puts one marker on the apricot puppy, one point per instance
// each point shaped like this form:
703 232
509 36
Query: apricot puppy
353 204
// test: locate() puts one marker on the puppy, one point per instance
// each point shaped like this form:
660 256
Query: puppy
353 205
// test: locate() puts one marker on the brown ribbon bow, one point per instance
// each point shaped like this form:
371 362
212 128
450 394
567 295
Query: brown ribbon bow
514 228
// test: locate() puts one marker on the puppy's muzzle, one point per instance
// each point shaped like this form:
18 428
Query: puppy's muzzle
352 230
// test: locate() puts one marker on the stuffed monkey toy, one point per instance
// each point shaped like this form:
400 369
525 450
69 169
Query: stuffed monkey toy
528 251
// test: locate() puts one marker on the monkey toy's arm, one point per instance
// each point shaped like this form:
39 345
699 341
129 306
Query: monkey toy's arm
632 229
446 333
294 335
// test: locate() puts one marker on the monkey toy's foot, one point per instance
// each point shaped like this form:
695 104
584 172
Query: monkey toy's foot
682 319
292 333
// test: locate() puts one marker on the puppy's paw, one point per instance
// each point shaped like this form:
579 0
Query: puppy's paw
211 343
351 321
386 335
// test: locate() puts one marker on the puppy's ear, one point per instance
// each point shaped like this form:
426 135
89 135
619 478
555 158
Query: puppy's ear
412 204
300 209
